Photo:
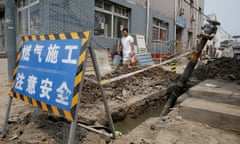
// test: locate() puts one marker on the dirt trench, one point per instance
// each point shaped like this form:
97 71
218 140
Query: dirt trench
128 97
139 84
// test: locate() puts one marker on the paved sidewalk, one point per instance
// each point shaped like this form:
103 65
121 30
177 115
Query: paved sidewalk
4 88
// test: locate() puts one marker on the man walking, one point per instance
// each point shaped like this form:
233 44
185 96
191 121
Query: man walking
126 47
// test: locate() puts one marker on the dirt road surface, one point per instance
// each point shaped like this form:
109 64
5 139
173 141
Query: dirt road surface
172 129
127 98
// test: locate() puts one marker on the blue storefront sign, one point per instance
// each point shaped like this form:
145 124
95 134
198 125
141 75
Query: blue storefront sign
47 71
182 22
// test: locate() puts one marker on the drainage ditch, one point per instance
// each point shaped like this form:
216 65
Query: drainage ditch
128 124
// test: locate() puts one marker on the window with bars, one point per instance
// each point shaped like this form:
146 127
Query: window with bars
110 19
159 30
28 17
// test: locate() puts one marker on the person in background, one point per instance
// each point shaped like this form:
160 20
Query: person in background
126 47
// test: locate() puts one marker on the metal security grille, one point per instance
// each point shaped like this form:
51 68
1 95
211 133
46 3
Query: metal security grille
66 15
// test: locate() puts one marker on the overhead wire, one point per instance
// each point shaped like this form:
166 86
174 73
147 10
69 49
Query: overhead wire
224 31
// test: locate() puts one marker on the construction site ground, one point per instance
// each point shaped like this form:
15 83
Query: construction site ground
128 98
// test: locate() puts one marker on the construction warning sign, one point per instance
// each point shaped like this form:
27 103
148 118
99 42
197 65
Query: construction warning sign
49 71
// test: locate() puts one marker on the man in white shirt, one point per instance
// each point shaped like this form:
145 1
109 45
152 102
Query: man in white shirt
127 47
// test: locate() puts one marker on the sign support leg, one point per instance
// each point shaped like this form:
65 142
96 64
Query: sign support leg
73 129
98 76
74 122
10 44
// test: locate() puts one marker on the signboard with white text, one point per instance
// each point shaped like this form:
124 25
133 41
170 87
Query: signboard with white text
47 73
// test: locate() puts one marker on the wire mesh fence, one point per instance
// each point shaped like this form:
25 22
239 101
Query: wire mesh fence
161 50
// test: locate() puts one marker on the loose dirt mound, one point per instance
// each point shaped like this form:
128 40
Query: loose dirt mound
37 127
223 68
142 83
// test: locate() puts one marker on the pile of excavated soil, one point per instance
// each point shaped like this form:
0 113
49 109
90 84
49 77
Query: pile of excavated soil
37 127
139 84
223 69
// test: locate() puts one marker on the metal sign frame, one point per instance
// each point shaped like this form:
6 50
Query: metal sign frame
78 82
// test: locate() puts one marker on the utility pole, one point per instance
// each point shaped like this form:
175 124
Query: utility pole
175 18
10 44
147 24
10 39
196 25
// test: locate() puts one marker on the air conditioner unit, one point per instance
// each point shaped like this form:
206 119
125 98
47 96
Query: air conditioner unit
181 11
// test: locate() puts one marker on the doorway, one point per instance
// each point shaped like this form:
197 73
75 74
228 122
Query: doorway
179 32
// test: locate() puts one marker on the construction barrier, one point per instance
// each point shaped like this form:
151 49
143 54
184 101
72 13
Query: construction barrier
173 67
161 50
31 55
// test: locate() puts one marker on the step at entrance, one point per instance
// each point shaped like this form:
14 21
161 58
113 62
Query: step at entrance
219 115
